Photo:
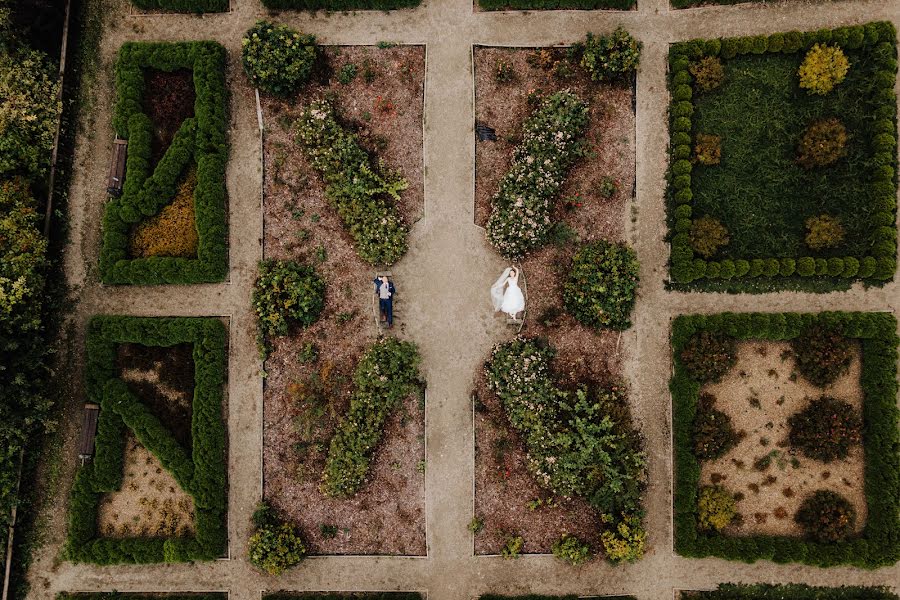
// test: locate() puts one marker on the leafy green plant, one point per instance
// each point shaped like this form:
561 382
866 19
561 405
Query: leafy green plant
347 74
826 516
287 292
714 434
611 56
823 68
512 548
708 73
275 545
825 429
822 144
570 549
277 59
601 286
716 508
608 187
625 541
822 354
708 355
707 149
823 231
708 235
476 525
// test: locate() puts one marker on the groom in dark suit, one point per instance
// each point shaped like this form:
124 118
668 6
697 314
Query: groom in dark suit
384 289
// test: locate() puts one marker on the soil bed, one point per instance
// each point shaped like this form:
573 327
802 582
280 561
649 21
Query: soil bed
168 101
760 393
503 485
384 104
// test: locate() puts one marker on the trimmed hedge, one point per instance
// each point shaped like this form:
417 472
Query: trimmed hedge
340 4
184 6
879 542
731 591
879 264
201 473
344 596
201 139
556 4
126 596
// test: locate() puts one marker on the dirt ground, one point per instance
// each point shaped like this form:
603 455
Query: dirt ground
760 393
384 104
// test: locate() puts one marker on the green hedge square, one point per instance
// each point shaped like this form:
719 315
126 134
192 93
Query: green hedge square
201 138
202 474
879 542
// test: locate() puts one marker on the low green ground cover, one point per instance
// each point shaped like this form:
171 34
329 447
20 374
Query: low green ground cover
731 591
186 6
556 4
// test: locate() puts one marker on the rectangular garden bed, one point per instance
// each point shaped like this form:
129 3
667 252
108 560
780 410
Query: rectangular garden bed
738 118
555 4
758 393
156 488
181 6
377 93
170 224
506 496
731 591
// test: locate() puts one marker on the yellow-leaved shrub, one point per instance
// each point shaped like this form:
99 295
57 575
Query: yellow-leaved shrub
172 231
823 68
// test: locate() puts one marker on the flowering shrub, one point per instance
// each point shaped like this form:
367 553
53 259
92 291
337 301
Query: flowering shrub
285 292
275 546
610 56
826 516
386 374
572 550
601 286
716 507
551 142
277 59
823 231
172 231
362 194
826 429
822 354
823 142
823 68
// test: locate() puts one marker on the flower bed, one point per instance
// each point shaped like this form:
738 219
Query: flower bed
877 544
148 189
755 241
200 471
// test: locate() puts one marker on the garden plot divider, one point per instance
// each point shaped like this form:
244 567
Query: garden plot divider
879 542
201 138
165 7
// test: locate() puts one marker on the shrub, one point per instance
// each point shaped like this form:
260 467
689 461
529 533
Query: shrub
287 292
385 375
275 545
277 59
714 433
826 429
709 355
362 193
601 286
625 541
707 149
708 235
172 231
571 550
822 354
551 143
186 6
823 68
708 72
822 143
716 508
612 56
823 231
512 548
826 516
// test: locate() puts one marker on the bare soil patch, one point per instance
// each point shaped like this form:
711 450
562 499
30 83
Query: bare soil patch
383 103
504 489
760 393
168 101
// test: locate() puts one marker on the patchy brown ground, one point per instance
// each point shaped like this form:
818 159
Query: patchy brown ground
304 401
168 101
759 394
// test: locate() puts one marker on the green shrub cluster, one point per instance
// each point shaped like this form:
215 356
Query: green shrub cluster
602 284
823 231
709 355
826 429
183 6
707 234
826 517
609 57
339 5
823 68
570 549
731 591
275 544
714 433
276 58
201 139
716 508
287 292
879 542
551 143
131 596
556 4
878 42
579 443
822 354
201 472
363 194
344 596
387 373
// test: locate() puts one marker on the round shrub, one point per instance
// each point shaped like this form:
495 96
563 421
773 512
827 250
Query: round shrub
708 72
727 269
788 267
682 182
707 236
776 42
823 143
681 152
823 68
683 196
716 508
709 355
851 267
867 267
277 59
681 138
826 516
756 267
759 44
885 268
741 267
771 267
681 167
714 434
792 42
826 429
624 541
683 109
823 231
275 546
699 265
287 292
822 354
681 78
570 549
707 149
601 286
682 93
821 266
683 211
806 266
713 270
611 56
835 266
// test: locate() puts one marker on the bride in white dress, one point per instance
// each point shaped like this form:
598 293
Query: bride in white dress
506 295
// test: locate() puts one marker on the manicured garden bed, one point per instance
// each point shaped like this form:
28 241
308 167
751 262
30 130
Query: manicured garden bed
340 5
731 591
170 224
182 6
138 596
344 596
768 240
740 393
150 494
555 4
376 94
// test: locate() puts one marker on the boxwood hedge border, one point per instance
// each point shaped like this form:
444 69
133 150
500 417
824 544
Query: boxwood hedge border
557 4
876 267
344 596
879 542
337 5
141 596
201 138
796 591
184 6
201 473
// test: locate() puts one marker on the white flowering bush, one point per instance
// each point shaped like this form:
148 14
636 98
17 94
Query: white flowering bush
363 194
551 143
386 374
581 442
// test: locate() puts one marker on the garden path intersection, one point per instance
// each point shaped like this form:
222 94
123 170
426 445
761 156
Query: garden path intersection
451 324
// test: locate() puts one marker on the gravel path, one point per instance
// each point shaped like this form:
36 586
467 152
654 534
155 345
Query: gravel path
445 278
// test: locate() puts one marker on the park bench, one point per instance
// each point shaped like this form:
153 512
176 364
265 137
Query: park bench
117 168
88 431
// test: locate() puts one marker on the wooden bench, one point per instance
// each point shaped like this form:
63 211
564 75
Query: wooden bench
88 431
117 168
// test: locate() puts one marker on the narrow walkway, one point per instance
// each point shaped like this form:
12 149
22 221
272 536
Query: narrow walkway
446 275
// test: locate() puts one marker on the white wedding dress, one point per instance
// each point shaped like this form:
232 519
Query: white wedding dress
509 300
